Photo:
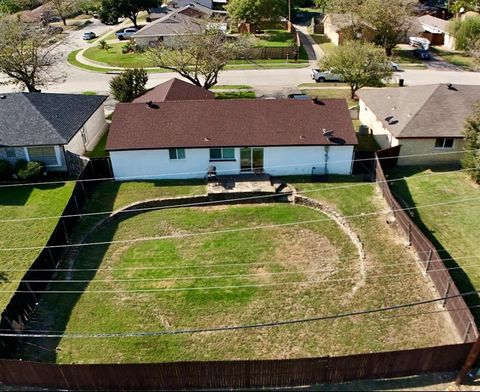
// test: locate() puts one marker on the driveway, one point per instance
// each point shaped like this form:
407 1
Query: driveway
313 50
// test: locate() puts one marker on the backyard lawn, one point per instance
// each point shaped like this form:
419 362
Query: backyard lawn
21 202
194 280
454 229
275 39
341 93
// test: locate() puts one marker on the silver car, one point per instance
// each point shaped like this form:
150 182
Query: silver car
325 76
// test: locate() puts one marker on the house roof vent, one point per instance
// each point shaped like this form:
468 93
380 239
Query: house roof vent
450 86
152 105
327 133
3 97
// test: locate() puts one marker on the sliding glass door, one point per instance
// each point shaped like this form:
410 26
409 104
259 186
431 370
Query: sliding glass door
251 159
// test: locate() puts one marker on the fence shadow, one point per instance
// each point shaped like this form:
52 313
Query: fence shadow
402 193
55 309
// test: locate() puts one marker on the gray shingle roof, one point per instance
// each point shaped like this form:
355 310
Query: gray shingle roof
435 23
422 111
29 119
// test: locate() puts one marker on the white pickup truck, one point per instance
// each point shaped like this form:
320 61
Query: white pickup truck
126 33
325 76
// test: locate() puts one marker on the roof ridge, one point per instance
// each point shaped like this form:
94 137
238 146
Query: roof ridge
419 107
25 95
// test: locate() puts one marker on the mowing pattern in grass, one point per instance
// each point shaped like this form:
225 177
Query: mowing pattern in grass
296 250
114 57
455 229
26 202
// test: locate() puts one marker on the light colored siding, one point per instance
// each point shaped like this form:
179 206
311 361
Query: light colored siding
331 31
380 133
94 128
427 146
156 164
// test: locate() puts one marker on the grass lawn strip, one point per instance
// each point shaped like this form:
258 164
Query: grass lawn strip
453 230
292 249
21 202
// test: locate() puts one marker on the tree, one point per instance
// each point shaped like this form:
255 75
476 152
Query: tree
129 85
199 57
253 11
322 5
127 8
63 8
359 63
471 132
390 22
466 33
467 5
26 54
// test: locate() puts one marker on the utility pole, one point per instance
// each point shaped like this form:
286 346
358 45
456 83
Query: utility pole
290 11
471 358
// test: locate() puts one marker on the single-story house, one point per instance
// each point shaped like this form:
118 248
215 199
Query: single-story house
184 139
426 121
339 27
43 127
185 20
437 31
174 90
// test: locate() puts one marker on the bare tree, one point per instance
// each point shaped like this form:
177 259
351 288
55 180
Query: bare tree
63 8
200 54
27 54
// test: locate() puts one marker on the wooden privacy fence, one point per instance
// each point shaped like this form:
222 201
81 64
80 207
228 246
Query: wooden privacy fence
234 374
431 261
23 303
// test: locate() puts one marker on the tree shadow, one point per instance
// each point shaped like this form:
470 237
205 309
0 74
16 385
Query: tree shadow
402 192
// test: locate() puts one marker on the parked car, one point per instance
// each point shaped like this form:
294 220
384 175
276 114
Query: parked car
325 76
419 42
126 33
89 35
422 54
298 96
395 67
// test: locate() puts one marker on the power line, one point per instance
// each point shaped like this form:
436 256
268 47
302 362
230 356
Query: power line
227 231
155 176
209 202
269 324
241 276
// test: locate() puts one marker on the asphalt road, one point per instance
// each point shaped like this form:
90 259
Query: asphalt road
274 82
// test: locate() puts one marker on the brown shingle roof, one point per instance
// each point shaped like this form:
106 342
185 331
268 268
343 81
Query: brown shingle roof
175 90
422 111
229 123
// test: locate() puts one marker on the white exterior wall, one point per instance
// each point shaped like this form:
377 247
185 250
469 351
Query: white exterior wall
156 164
449 41
94 128
285 161
383 137
331 32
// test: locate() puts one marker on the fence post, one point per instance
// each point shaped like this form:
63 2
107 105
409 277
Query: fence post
409 229
430 252
51 257
445 296
83 189
469 361
65 230
31 291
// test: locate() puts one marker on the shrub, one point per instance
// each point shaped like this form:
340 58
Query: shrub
104 45
129 85
6 170
29 170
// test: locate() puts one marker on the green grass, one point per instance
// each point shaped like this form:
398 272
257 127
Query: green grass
456 58
454 229
275 39
89 93
324 42
71 59
199 261
406 59
115 58
342 93
231 87
99 150
21 202
235 95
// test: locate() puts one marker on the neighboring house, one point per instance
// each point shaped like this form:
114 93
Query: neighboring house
424 120
175 90
185 20
339 27
183 139
212 4
43 127
437 31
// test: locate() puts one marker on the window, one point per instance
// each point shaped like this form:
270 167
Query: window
444 143
177 153
47 155
222 154
10 151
